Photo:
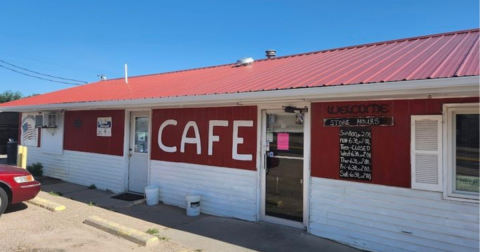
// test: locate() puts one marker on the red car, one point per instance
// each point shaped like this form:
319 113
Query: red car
16 185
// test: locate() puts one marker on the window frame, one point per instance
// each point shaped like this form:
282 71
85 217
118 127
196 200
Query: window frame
449 129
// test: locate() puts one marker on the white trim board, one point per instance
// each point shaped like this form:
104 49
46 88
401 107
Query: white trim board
415 89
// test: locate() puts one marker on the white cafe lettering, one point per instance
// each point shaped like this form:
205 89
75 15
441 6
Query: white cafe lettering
196 140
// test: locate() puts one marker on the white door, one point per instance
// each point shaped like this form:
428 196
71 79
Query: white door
139 139
283 173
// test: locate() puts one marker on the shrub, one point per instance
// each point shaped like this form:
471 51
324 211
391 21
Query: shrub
152 231
36 169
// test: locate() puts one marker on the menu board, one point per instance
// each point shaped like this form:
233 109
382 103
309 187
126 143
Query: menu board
356 153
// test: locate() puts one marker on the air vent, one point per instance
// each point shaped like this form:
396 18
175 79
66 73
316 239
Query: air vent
46 121
244 62
270 53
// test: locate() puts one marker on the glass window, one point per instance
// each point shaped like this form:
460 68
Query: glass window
141 134
466 151
285 134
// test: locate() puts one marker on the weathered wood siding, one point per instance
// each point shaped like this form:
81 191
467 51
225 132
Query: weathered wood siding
225 191
382 218
105 171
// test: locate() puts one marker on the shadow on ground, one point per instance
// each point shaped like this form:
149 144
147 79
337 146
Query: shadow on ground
209 232
15 208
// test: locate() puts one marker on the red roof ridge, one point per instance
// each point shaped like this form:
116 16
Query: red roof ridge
378 43
314 52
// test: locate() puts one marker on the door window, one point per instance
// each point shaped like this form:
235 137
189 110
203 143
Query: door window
141 135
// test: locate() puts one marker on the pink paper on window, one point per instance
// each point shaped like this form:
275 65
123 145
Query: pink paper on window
283 141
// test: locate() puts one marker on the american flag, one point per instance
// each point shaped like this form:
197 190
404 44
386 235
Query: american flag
28 131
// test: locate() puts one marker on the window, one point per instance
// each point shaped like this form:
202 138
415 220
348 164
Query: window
462 151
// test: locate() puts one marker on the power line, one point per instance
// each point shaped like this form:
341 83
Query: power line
76 84
36 58
41 73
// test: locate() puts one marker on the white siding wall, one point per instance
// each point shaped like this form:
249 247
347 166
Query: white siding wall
105 171
225 191
381 218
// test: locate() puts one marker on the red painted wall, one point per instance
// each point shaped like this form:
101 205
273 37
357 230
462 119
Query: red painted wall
222 150
390 144
85 139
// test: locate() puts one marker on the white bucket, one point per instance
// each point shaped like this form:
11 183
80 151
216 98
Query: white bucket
151 193
193 205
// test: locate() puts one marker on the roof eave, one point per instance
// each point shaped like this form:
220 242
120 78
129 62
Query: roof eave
414 89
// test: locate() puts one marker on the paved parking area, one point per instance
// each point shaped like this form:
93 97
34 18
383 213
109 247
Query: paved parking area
26 227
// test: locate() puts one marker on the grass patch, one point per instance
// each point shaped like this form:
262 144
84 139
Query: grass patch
91 203
152 231
55 193
164 238
92 186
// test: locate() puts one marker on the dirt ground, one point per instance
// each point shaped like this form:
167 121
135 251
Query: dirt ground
25 227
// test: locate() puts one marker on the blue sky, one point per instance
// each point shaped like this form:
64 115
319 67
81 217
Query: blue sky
81 39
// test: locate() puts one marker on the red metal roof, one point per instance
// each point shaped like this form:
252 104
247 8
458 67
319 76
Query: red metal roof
445 55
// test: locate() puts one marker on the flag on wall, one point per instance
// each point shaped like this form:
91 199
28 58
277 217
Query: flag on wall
29 132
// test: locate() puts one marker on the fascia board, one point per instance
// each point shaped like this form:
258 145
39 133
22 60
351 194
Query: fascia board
466 86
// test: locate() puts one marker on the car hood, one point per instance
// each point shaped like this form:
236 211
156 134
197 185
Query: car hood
8 169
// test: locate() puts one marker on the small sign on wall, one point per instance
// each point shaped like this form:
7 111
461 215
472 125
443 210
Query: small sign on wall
104 126
358 121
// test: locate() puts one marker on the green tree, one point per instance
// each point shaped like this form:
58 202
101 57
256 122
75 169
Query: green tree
9 95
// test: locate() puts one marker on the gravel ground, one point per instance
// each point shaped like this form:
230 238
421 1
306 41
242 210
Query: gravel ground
26 227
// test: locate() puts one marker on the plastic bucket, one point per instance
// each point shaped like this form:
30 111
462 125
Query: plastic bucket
151 193
193 205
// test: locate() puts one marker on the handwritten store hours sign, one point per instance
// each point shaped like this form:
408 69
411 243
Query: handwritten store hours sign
356 153
359 121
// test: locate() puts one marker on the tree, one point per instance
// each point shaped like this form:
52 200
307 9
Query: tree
31 95
9 95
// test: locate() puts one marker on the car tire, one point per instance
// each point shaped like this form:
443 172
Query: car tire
3 201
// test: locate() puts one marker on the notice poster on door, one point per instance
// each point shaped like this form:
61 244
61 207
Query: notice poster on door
104 126
283 140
